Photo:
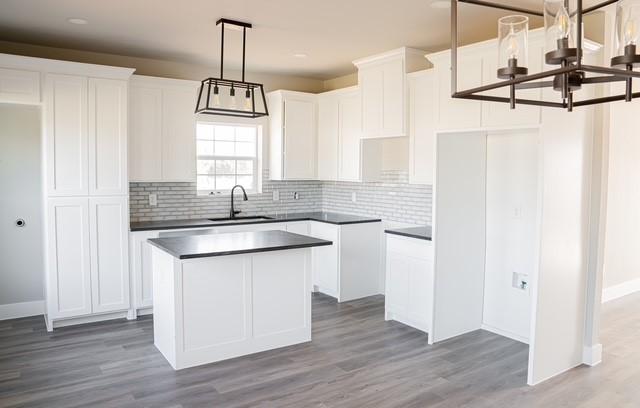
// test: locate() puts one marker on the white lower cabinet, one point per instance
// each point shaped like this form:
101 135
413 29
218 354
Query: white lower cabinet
87 257
348 269
68 258
409 281
108 218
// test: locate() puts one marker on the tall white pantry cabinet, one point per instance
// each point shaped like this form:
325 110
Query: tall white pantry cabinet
86 194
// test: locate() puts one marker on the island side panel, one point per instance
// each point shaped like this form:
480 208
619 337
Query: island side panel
164 306
230 306
281 298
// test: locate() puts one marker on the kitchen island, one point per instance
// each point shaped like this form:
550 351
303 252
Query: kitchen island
226 295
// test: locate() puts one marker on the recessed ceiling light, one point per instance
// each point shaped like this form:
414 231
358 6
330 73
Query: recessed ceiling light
440 4
77 21
300 55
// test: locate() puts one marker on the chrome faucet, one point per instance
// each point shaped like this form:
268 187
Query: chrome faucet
234 212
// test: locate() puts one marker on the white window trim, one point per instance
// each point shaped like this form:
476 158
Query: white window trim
257 167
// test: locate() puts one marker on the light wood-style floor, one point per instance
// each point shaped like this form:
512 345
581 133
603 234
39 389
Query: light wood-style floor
355 360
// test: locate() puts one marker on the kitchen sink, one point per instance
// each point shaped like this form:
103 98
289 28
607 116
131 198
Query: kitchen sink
241 218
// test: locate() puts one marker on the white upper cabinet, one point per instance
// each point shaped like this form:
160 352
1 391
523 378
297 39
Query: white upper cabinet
477 66
458 113
422 101
339 120
292 134
382 81
66 138
145 124
107 137
162 129
17 86
349 152
328 136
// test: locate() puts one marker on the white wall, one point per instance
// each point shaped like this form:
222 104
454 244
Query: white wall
512 232
21 253
622 237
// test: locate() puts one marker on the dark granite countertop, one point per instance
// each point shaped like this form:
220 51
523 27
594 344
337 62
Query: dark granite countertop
201 246
412 232
328 217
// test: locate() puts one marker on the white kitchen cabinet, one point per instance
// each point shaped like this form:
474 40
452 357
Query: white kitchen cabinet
68 258
109 222
327 157
382 81
349 135
348 269
339 153
107 120
162 129
18 86
325 263
292 134
145 133
422 100
454 113
88 269
65 118
297 227
409 281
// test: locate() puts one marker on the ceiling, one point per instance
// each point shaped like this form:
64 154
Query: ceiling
332 33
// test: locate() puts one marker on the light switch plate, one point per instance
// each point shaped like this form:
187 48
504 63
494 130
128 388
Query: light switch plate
153 199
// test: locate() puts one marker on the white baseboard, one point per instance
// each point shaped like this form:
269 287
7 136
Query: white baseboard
618 291
504 333
592 355
24 309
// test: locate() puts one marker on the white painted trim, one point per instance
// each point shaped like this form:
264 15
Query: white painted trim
24 309
89 319
620 290
64 67
592 356
398 52
504 333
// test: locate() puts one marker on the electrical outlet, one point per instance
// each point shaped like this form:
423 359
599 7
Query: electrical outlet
354 197
153 200
276 195
296 195
520 281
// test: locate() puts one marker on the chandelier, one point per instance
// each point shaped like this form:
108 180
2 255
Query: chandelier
229 97
563 31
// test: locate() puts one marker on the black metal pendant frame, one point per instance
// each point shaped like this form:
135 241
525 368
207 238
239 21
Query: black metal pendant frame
572 73
209 87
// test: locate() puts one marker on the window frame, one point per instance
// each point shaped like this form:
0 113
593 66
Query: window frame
257 160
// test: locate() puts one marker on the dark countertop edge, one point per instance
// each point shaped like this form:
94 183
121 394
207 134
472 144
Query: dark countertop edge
241 251
248 222
408 234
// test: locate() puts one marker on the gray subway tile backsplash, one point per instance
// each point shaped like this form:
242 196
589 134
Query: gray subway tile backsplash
392 199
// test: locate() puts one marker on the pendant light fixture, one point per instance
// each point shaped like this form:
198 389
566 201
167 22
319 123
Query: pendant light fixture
564 50
219 96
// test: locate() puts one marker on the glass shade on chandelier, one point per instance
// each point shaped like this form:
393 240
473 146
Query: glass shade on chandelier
513 47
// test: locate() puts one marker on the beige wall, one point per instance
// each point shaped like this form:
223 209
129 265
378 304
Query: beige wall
160 68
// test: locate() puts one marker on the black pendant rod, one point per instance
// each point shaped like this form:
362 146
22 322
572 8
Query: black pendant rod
222 51
244 41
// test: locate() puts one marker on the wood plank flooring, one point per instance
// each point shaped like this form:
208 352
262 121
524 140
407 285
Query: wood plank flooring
356 359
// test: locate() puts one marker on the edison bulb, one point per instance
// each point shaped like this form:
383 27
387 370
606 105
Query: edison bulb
247 101
630 32
513 48
563 23
232 99
216 96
